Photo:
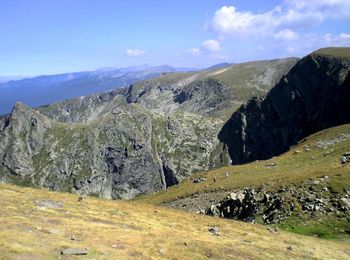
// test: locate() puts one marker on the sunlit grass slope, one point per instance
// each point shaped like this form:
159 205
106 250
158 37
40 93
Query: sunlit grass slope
132 230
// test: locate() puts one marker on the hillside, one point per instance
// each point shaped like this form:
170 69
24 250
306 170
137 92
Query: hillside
126 142
212 92
313 96
131 230
295 174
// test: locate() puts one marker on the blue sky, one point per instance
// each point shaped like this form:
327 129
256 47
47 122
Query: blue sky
55 36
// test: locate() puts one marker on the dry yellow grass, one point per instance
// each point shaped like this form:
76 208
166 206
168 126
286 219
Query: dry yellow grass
133 230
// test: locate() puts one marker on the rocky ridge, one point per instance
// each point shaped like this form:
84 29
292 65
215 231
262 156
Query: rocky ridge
122 143
312 96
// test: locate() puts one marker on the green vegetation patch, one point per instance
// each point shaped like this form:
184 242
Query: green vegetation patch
329 227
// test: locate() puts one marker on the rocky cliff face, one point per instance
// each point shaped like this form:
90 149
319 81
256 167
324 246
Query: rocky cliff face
313 96
22 136
122 143
127 151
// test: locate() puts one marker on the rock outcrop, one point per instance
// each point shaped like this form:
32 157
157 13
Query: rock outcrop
276 206
313 96
22 135
127 151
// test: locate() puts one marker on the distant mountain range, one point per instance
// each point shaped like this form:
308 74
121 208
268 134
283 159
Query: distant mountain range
4 79
45 89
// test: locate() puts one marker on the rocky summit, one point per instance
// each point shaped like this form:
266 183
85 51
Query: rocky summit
314 95
157 132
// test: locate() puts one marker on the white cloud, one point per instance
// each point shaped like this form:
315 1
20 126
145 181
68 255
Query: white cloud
342 39
344 36
286 34
291 15
335 9
134 52
194 51
211 46
210 49
228 21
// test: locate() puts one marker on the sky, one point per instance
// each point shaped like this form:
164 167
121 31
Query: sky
40 37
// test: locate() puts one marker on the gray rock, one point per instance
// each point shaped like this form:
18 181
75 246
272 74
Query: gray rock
161 251
344 159
311 197
50 204
242 206
237 196
214 230
345 201
271 165
55 232
74 251
290 248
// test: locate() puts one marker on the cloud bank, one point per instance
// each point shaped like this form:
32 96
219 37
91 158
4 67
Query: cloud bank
293 27
290 16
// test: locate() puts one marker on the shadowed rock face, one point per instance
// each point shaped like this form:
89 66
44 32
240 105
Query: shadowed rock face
313 96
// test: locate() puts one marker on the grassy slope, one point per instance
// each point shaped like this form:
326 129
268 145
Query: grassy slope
334 51
247 79
237 75
291 168
137 231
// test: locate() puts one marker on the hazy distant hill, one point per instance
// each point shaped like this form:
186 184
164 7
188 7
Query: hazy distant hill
43 90
4 79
